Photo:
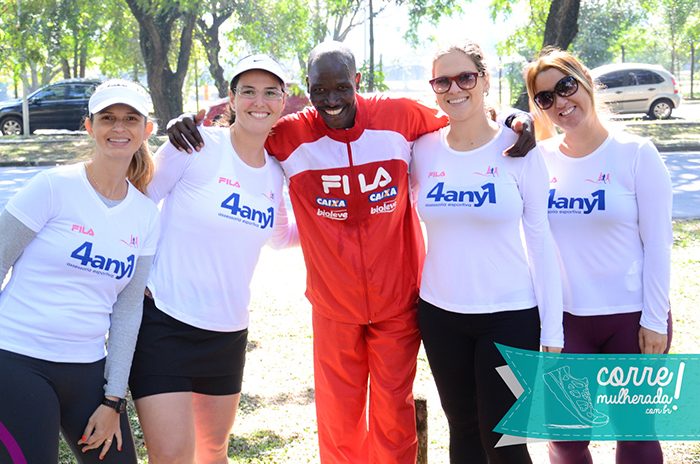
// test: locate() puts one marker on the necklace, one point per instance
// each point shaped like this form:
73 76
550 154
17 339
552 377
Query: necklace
97 184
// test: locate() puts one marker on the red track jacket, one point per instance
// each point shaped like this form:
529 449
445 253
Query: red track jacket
359 232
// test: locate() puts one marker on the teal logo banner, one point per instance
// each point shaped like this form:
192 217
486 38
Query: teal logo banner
602 397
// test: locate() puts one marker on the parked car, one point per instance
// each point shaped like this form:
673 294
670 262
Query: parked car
62 105
296 101
638 88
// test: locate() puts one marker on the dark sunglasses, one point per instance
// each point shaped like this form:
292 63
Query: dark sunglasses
465 81
566 87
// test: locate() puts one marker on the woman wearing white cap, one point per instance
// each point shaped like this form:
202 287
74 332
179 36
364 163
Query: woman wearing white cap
221 205
80 240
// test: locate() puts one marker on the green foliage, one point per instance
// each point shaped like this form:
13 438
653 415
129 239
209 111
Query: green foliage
526 40
379 78
253 448
422 11
276 27
603 27
118 51
686 234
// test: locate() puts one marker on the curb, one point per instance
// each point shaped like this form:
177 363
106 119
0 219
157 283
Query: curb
682 148
36 163
40 162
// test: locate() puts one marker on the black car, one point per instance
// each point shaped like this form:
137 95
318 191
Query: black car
62 105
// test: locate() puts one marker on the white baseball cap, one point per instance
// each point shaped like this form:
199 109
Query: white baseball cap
119 91
261 61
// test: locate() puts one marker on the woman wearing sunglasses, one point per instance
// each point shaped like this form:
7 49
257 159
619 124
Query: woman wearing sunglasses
480 285
614 247
221 205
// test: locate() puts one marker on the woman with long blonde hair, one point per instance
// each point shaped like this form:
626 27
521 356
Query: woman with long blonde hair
80 240
615 253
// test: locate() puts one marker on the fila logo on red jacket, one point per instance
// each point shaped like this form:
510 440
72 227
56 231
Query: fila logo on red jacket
381 179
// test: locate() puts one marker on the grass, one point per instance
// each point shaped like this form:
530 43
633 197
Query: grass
276 418
668 135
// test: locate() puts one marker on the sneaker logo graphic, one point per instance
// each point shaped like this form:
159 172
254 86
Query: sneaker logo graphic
574 395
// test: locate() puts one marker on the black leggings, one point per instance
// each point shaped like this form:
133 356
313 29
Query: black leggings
463 358
38 398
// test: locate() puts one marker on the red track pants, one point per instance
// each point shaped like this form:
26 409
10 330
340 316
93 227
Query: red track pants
345 357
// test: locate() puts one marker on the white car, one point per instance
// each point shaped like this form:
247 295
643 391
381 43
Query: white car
637 88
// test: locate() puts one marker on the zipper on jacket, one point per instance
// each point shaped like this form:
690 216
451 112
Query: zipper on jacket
357 197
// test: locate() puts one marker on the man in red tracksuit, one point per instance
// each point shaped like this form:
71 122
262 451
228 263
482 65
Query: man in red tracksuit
347 163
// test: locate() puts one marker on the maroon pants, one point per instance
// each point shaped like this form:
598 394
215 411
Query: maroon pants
611 334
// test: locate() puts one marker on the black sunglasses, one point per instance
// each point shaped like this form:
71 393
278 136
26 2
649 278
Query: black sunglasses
566 87
465 81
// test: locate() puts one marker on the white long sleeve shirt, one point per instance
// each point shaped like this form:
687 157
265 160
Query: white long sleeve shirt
473 204
610 215
217 215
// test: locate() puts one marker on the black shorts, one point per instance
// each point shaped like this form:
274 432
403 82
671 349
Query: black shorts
172 356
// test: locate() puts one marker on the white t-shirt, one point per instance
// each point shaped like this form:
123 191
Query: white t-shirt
610 215
58 303
473 204
217 215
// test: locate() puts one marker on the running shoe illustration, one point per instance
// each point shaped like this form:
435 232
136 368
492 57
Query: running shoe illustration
575 396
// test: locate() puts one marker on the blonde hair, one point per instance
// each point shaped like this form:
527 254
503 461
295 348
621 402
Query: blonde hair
564 62
141 168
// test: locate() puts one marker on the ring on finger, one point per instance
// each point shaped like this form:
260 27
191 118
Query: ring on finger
109 441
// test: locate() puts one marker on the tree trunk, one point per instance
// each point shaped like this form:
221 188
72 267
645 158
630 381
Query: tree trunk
65 67
692 67
83 59
559 32
209 38
562 23
155 32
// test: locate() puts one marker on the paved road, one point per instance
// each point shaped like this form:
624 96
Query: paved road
684 168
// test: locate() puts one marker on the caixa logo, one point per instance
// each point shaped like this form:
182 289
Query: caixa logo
379 196
246 213
331 202
97 262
